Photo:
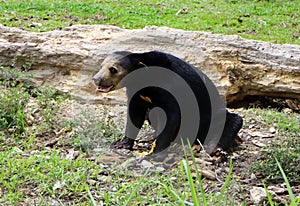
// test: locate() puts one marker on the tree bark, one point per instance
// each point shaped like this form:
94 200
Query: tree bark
67 59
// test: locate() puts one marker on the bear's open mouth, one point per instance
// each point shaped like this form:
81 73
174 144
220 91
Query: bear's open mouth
104 89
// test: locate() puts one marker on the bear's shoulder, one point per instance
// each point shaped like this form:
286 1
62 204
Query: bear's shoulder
162 59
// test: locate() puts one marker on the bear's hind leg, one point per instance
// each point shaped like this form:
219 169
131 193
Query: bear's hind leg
168 134
232 126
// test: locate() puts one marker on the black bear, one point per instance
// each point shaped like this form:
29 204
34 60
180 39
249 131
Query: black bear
162 88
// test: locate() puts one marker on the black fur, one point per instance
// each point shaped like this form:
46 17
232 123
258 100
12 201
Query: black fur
138 108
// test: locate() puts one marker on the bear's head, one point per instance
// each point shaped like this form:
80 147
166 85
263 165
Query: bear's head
112 70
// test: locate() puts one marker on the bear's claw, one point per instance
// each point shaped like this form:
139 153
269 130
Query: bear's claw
125 143
143 154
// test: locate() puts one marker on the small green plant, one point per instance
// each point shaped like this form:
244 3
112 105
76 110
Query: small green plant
94 130
286 153
189 176
294 200
7 73
47 171
285 146
48 100
15 94
12 105
292 197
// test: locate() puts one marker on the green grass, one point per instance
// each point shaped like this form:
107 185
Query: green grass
12 105
47 175
290 191
89 133
285 147
46 172
276 21
294 200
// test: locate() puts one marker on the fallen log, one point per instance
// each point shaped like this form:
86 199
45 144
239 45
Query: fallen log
68 58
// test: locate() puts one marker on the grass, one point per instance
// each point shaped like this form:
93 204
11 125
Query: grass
276 21
48 173
12 105
89 133
290 191
285 148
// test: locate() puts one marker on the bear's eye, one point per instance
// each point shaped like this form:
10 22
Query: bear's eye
113 70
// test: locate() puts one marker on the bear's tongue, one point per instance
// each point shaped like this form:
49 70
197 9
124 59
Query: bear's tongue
104 89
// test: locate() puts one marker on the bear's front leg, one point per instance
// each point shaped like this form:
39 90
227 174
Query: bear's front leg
168 133
136 116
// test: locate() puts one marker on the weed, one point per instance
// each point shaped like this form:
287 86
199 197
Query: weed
94 130
12 105
285 148
217 199
48 101
294 200
287 153
7 74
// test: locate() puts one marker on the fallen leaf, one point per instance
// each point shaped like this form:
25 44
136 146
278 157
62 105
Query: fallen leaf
72 154
261 134
258 143
62 131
